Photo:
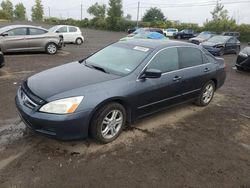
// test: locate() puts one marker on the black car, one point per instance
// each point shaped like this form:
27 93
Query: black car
117 85
220 45
1 60
243 60
184 34
232 34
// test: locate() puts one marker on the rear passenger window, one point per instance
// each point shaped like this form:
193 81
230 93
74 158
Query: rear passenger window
34 31
72 29
167 60
190 57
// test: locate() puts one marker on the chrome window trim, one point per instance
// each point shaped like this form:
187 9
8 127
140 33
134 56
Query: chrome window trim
138 77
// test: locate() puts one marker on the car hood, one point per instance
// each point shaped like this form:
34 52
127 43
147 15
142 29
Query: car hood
212 43
65 78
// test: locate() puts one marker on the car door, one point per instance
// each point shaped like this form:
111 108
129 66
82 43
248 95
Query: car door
193 71
15 40
36 38
155 94
64 31
72 33
231 45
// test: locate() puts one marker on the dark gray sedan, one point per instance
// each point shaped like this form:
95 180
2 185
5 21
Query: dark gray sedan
23 38
117 85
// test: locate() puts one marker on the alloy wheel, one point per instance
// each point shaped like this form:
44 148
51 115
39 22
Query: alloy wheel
208 93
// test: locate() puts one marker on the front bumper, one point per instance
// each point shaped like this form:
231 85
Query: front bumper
214 51
62 127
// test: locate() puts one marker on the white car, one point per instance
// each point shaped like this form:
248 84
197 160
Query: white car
170 32
71 34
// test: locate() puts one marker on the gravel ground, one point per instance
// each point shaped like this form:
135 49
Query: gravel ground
185 146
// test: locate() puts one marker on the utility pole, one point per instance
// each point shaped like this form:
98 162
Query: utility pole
49 11
81 11
138 10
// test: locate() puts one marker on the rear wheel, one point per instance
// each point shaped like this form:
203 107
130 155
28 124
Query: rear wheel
51 48
108 122
79 41
206 94
239 68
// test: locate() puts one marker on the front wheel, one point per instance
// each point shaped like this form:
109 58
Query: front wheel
108 122
51 48
206 94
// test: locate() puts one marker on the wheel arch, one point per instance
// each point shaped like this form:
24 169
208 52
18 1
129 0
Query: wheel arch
119 100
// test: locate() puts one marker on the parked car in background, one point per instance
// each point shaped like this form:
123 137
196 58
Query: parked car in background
170 32
124 81
202 37
233 34
220 45
243 60
146 35
145 30
71 34
2 61
23 38
184 34
131 30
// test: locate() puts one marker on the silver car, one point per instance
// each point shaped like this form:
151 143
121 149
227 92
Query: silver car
20 38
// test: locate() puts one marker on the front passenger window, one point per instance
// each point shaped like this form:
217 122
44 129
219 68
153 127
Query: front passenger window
62 30
166 60
17 32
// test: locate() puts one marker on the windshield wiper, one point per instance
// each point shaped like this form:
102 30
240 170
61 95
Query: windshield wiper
96 67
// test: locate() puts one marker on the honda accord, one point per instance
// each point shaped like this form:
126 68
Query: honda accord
124 81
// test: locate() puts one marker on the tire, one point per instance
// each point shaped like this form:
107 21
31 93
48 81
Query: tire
178 37
108 122
206 94
237 51
239 68
78 41
51 48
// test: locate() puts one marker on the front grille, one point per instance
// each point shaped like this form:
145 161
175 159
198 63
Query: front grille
26 100
37 100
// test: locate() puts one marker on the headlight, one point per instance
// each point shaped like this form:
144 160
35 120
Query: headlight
243 54
62 106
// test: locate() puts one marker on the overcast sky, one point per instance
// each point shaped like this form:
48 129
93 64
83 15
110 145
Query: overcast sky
196 11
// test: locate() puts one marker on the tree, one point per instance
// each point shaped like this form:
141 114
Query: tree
20 12
219 13
37 11
114 14
3 15
7 7
98 11
128 17
153 14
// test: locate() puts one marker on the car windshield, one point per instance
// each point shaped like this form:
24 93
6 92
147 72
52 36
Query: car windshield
204 35
217 39
119 59
53 29
4 29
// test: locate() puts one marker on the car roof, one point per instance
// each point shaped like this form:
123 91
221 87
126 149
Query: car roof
151 43
9 27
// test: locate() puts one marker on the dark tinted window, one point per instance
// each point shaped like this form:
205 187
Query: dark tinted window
190 56
72 29
17 31
166 60
34 31
62 30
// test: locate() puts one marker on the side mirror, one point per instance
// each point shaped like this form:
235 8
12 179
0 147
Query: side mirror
151 73
4 34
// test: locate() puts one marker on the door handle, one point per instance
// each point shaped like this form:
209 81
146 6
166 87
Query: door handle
206 70
176 78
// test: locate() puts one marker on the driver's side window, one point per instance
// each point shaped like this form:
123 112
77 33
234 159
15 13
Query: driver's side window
166 60
62 30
